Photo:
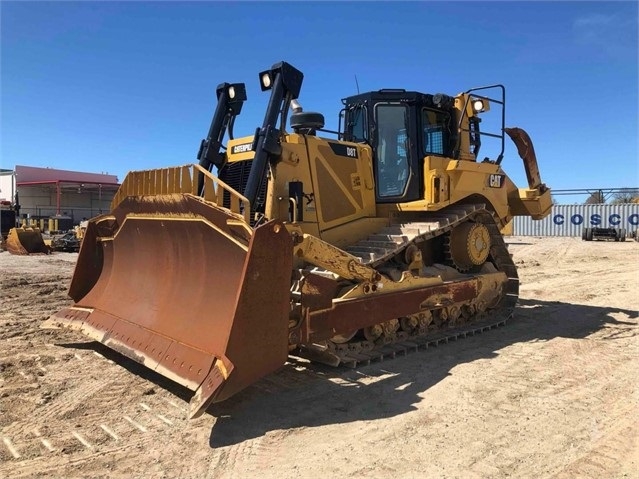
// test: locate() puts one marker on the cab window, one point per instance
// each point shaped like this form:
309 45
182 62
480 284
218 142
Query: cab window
392 165
357 124
435 131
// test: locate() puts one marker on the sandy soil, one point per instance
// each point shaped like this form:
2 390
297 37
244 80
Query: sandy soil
553 394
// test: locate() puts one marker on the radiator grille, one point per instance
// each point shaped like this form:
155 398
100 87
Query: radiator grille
236 175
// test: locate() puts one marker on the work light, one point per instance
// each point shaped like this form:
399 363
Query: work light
266 80
478 105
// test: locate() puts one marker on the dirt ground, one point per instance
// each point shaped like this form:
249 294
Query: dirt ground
554 393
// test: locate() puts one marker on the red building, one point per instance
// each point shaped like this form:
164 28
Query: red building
42 193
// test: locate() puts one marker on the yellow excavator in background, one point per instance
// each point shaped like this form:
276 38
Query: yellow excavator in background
340 250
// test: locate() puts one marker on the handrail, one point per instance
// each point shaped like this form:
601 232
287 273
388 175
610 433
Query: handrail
492 100
181 180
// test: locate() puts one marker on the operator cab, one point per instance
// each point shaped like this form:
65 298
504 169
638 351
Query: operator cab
401 127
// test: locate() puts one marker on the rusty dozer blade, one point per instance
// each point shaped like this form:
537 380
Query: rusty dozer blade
187 289
26 240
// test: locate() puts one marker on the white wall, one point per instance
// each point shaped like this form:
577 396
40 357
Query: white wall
6 181
40 201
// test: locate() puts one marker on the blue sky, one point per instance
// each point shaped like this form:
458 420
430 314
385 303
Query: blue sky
113 87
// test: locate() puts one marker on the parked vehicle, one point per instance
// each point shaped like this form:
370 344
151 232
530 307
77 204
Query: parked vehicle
68 242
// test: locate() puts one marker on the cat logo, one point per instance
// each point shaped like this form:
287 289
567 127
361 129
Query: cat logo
496 181
242 148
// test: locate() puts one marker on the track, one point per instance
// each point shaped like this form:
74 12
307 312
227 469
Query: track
445 327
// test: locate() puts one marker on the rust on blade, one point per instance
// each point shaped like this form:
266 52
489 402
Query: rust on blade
173 283
90 264
205 393
258 343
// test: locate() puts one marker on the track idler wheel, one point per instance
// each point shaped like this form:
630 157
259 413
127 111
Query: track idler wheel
440 317
454 312
467 312
343 338
469 246
409 323
372 333
417 321
390 329
385 331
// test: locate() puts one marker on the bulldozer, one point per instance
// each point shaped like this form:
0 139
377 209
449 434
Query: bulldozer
338 246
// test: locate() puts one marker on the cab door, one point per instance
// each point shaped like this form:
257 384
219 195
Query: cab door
397 169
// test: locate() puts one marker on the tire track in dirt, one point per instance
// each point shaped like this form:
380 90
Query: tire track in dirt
230 458
603 457
546 383
250 457
72 455
86 417
77 440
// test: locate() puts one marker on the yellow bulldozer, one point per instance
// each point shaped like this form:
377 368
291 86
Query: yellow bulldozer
342 250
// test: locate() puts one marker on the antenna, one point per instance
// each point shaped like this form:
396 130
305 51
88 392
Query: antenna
357 84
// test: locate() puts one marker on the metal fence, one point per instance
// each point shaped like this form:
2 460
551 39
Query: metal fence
75 213
570 220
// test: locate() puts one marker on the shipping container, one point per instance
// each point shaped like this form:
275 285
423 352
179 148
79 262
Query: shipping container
570 220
